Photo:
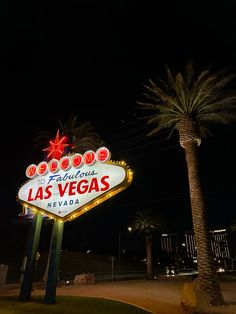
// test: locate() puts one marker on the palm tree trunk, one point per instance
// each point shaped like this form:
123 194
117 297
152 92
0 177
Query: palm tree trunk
149 256
207 274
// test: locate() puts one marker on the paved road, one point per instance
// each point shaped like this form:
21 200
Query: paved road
161 296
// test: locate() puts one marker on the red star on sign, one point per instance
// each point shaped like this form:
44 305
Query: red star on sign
57 147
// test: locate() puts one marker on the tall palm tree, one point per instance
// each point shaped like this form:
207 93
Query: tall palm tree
188 103
146 221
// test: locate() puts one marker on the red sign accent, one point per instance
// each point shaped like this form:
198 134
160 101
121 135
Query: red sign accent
57 147
31 171
89 157
76 161
103 154
42 168
53 165
64 163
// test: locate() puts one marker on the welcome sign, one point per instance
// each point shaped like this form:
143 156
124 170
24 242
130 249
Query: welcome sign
66 188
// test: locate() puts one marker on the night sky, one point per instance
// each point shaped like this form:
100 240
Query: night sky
91 58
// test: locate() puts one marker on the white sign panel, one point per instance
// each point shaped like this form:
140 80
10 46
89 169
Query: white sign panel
67 194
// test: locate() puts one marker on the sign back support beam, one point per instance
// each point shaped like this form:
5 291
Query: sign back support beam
54 262
31 251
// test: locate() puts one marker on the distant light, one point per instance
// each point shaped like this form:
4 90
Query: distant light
218 230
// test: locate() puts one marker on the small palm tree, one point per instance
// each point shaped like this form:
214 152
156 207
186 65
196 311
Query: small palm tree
232 227
188 103
146 221
82 136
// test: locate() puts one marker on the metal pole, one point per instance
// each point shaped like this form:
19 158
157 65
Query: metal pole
54 262
119 252
112 268
28 266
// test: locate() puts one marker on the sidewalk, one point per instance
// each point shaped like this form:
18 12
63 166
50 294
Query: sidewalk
161 296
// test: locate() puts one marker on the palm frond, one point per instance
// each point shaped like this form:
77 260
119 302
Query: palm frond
203 97
82 136
147 221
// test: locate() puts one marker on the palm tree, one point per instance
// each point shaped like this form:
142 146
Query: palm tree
82 136
146 221
188 103
232 227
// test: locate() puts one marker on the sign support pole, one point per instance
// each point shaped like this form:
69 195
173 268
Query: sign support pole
54 262
29 263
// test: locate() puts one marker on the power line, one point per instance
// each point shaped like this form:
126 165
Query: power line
146 138
160 150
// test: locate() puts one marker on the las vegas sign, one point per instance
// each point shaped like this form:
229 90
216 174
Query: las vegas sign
67 188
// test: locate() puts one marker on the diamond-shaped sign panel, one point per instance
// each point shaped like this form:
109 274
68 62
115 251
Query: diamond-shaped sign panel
67 194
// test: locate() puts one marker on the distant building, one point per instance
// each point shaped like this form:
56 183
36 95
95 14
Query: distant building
190 244
169 243
220 241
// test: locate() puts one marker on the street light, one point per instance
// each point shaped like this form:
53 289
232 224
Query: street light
119 248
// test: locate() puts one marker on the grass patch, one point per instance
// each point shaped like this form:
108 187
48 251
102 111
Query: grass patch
67 304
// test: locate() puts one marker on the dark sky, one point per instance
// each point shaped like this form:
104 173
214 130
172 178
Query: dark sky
91 58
